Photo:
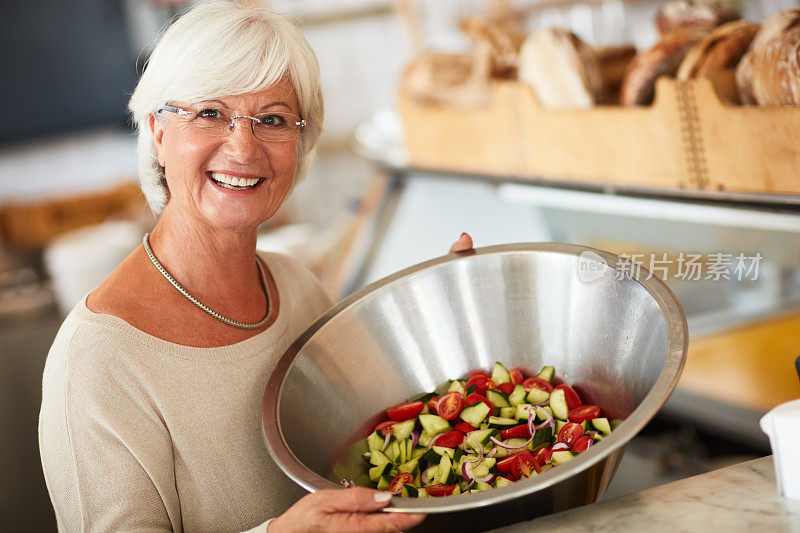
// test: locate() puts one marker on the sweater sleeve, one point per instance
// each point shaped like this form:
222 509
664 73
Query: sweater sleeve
106 454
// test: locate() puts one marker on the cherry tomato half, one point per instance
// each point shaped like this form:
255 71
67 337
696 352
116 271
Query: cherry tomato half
432 404
385 428
506 387
450 405
504 465
396 485
537 383
516 376
582 444
570 433
479 373
451 439
405 411
573 400
474 398
543 456
584 412
524 465
440 489
482 383
517 432
464 427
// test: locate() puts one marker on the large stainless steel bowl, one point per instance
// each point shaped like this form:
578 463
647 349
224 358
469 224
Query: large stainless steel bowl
618 336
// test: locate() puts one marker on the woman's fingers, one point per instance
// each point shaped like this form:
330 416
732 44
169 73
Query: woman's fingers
355 500
387 522
462 244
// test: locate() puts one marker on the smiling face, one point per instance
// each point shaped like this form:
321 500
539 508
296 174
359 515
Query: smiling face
234 181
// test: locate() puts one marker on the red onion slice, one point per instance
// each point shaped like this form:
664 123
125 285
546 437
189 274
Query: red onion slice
469 486
486 479
590 433
366 456
347 484
479 459
386 441
466 470
531 418
560 446
414 439
547 422
491 453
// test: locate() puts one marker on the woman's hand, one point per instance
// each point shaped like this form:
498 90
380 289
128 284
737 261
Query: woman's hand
355 510
463 244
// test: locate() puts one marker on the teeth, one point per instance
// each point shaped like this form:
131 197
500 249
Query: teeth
233 180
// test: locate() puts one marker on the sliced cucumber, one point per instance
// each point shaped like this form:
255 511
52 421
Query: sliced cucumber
480 437
474 414
517 396
560 424
409 491
480 486
422 493
378 458
402 430
502 423
457 386
482 469
497 398
374 441
523 410
393 451
402 457
431 456
508 412
383 483
501 482
537 396
411 467
614 423
601 425
500 375
456 491
544 412
444 471
547 373
444 451
418 452
562 456
558 403
543 437
434 424
376 472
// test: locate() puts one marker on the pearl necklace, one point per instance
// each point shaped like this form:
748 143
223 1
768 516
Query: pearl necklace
201 305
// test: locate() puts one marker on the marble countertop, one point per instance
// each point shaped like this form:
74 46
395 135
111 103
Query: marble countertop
742 497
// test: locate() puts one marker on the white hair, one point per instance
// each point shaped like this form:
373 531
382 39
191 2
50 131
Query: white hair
223 48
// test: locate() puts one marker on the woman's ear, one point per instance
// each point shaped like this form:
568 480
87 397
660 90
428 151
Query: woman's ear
157 129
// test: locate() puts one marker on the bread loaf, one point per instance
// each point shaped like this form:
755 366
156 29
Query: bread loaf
638 87
704 15
446 80
613 62
721 49
502 41
561 69
770 72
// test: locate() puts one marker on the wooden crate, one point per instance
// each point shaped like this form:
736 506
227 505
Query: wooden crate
32 226
689 138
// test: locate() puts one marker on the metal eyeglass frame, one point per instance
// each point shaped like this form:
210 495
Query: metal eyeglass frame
181 111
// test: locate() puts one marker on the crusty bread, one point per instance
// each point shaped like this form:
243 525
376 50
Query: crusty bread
446 80
722 49
695 14
613 62
770 72
663 59
502 41
562 70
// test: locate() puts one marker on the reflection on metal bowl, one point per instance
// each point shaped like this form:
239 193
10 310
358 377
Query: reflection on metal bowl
618 336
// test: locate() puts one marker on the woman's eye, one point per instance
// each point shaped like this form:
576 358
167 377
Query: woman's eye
273 120
209 113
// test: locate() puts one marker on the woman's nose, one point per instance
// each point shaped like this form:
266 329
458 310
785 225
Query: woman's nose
242 143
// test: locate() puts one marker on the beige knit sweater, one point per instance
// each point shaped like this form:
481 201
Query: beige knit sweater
137 433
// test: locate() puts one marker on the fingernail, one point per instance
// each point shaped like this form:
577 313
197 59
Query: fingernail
463 235
383 496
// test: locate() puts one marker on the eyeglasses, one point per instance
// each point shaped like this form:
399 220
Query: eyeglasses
220 122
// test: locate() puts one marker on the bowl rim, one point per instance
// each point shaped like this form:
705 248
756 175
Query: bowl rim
677 346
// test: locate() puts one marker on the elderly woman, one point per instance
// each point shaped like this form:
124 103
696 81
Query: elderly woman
150 415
